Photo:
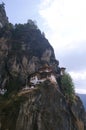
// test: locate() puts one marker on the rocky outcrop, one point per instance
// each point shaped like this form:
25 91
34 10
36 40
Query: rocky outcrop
21 57
43 106
46 108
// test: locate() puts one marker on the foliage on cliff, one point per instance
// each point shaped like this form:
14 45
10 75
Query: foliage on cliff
68 86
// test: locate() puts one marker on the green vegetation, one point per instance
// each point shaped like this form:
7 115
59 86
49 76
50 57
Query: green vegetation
6 31
2 5
18 30
25 28
68 87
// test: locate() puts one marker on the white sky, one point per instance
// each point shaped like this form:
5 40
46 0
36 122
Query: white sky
67 21
64 23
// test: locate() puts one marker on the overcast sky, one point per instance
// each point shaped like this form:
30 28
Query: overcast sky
64 24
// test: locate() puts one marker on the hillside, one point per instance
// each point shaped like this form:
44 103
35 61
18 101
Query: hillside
31 94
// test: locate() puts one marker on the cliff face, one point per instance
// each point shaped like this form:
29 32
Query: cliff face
48 109
30 94
42 108
23 50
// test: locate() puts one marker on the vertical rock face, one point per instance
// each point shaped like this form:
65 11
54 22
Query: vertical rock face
43 108
25 106
46 108
23 50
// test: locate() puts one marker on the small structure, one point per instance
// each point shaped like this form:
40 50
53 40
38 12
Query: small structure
3 91
63 70
52 78
44 73
36 79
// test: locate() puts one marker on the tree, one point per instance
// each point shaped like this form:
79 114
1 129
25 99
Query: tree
32 24
68 86
2 5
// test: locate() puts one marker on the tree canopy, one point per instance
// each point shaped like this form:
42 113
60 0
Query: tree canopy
68 86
